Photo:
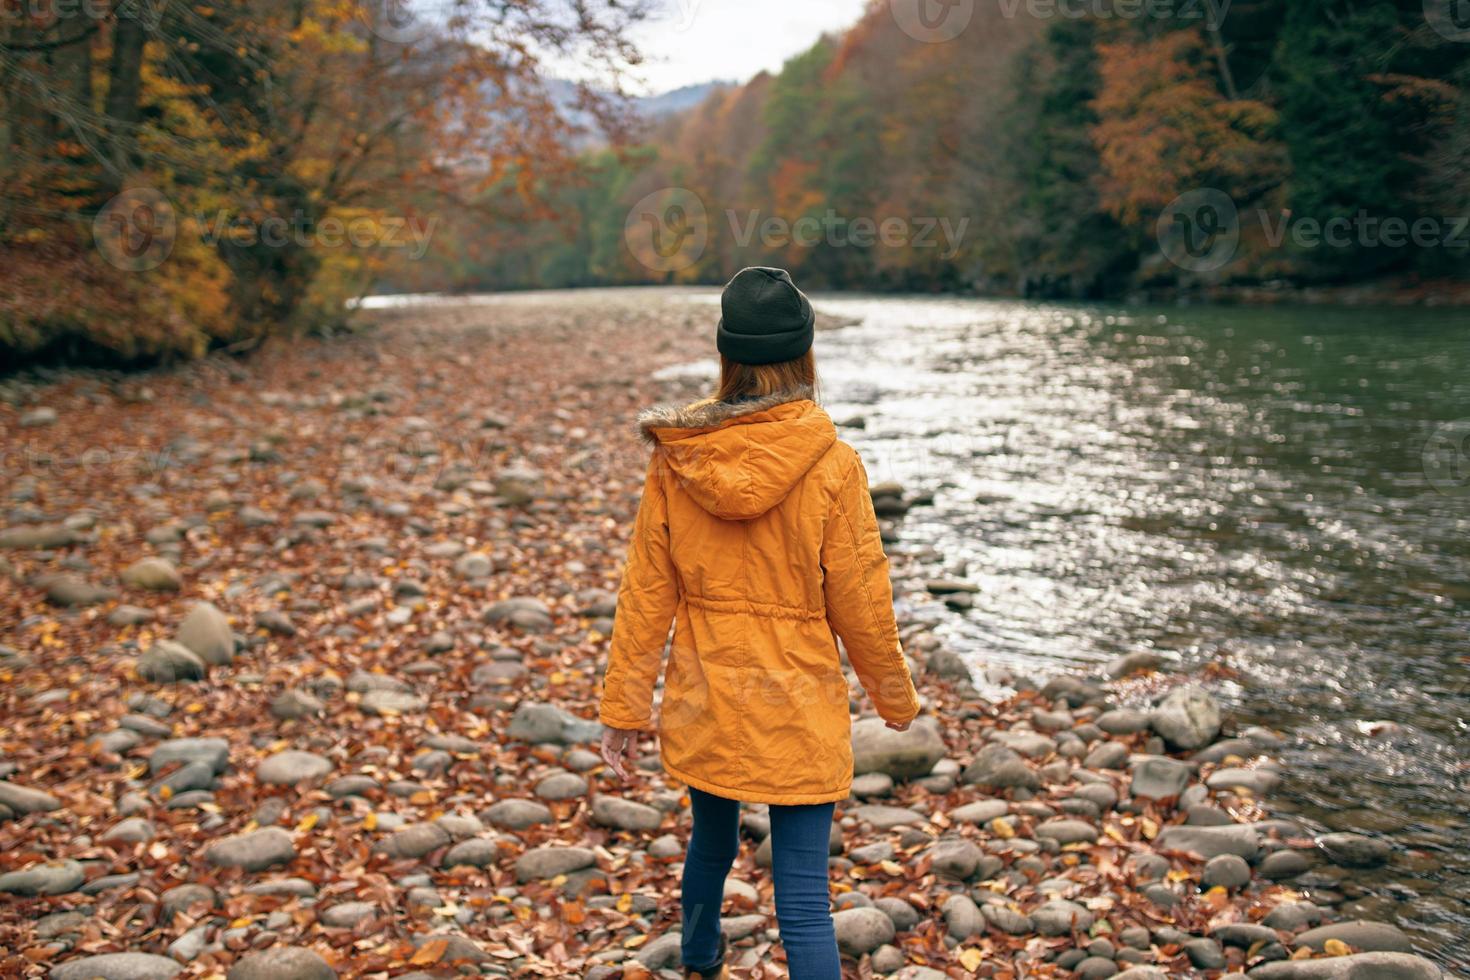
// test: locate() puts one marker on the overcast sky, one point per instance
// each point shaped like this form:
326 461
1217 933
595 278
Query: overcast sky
691 41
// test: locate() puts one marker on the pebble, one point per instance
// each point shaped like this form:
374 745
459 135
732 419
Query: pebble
876 748
624 814
537 723
392 703
1209 842
1188 717
206 631
117 966
292 767
253 851
561 786
551 860
516 814
1226 871
1159 777
1355 850
153 574
51 878
23 799
166 662
862 930
282 963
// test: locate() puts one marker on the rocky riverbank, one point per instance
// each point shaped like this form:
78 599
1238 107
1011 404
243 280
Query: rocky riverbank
299 659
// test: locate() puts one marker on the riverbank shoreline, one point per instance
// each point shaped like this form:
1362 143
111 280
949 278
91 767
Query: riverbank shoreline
304 657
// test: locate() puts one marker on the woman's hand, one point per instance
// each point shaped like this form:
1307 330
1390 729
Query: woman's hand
896 726
617 743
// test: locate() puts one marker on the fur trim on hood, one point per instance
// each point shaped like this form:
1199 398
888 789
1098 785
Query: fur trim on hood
703 415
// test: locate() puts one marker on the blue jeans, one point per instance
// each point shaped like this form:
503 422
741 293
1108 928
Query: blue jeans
799 836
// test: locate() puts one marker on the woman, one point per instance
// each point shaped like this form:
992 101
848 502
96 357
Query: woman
756 539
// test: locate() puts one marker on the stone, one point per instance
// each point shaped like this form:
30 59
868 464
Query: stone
1188 717
23 799
392 703
1008 920
167 662
888 817
1226 871
348 914
38 537
1368 937
153 574
980 812
1095 968
1001 768
1209 842
126 615
1365 966
1158 777
215 751
955 858
526 614
133 830
1205 954
117 966
1068 831
1280 865
474 565
68 590
291 767
876 748
206 631
962 917
294 705
282 963
1108 755
51 878
415 840
660 954
623 814
1255 782
551 860
1060 917
1123 721
862 930
903 915
478 852
253 851
537 722
561 786
872 785
1355 850
516 814
1245 934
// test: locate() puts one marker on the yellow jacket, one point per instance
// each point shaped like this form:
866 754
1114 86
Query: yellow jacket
756 538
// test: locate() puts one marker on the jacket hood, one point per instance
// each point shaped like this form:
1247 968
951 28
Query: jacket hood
738 460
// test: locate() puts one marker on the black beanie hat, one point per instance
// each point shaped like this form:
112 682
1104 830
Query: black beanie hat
765 318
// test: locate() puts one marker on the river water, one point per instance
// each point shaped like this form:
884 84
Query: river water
1282 491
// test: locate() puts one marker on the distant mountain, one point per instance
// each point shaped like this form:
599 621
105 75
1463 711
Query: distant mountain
652 108
687 97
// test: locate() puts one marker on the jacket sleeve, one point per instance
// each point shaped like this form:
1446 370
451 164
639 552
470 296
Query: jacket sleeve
859 599
646 602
